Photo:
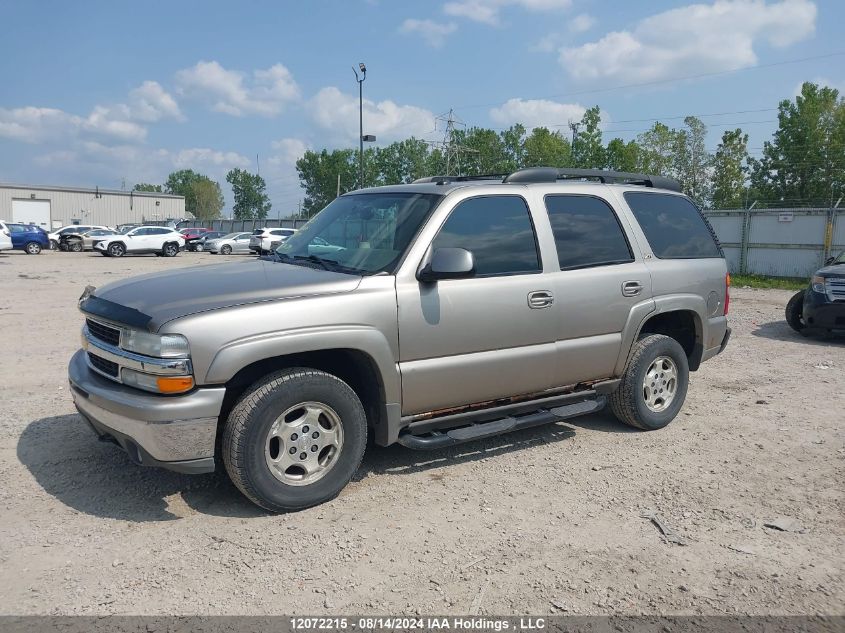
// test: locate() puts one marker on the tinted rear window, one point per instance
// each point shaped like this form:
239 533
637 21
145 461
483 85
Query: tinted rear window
586 231
674 227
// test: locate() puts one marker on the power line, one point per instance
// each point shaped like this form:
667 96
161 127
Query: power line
656 82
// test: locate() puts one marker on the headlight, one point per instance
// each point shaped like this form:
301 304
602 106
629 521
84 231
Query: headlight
155 345
818 284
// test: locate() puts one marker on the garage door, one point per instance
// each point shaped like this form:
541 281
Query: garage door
32 212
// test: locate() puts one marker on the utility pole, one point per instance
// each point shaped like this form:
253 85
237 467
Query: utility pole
360 81
257 166
574 127
338 186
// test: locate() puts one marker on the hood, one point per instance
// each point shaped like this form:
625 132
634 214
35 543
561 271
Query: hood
832 271
148 301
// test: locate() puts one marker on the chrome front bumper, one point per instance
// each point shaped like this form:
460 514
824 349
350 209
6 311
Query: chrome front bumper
173 432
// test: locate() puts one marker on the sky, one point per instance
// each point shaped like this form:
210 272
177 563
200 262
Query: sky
110 93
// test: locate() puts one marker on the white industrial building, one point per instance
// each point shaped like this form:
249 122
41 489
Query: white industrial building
52 207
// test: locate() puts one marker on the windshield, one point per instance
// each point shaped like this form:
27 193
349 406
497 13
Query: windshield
840 259
230 236
363 233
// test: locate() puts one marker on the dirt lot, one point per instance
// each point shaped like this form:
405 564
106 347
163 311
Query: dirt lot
542 521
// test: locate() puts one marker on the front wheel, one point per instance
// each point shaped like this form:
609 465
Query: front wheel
226 249
295 439
54 245
198 248
170 250
75 247
654 385
795 312
117 250
32 248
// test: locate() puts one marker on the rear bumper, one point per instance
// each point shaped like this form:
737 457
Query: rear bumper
173 432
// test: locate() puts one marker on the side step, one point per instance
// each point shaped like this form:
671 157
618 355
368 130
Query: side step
439 439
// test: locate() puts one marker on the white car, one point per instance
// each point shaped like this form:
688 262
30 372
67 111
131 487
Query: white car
160 240
70 228
5 237
263 240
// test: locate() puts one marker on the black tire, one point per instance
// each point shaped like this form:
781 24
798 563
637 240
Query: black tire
226 249
198 248
171 249
75 246
116 249
32 248
54 245
628 402
794 310
105 253
245 438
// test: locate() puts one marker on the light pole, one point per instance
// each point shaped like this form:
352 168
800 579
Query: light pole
360 81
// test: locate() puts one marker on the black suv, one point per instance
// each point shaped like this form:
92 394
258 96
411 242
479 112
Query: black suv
821 307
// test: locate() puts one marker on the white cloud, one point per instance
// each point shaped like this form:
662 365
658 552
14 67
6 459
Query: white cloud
289 150
582 22
822 82
488 11
36 125
147 103
697 38
150 102
207 158
337 112
434 33
265 94
537 113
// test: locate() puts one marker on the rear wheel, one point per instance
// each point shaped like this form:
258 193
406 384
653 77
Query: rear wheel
226 249
170 250
117 250
794 312
654 385
295 439
32 248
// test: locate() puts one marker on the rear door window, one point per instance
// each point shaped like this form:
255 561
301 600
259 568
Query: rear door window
673 226
587 232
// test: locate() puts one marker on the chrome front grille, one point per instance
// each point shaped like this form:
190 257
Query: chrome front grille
105 333
835 287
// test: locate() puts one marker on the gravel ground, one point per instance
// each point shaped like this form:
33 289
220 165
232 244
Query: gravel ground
541 521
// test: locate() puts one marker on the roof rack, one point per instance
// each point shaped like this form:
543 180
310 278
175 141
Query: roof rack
553 174
442 180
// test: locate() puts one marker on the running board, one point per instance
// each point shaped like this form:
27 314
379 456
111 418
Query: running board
440 439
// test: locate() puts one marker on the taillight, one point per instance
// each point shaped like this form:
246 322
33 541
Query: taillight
727 292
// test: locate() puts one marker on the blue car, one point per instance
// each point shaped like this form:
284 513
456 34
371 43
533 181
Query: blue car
28 238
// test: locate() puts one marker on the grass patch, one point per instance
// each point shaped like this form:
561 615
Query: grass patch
762 281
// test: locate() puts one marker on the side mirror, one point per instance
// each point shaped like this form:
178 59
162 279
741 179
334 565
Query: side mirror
448 263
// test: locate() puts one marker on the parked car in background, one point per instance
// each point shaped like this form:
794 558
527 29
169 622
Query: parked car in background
28 238
268 239
192 235
230 243
78 242
5 237
821 306
143 240
201 244
78 229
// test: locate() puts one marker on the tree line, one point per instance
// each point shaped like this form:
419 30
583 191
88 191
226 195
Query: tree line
802 165
204 198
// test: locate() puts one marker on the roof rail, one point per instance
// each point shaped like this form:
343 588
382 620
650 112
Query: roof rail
442 180
553 174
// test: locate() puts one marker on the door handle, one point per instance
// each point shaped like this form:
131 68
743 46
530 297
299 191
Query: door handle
540 299
631 288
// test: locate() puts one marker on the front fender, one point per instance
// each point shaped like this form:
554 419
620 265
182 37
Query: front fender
236 355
